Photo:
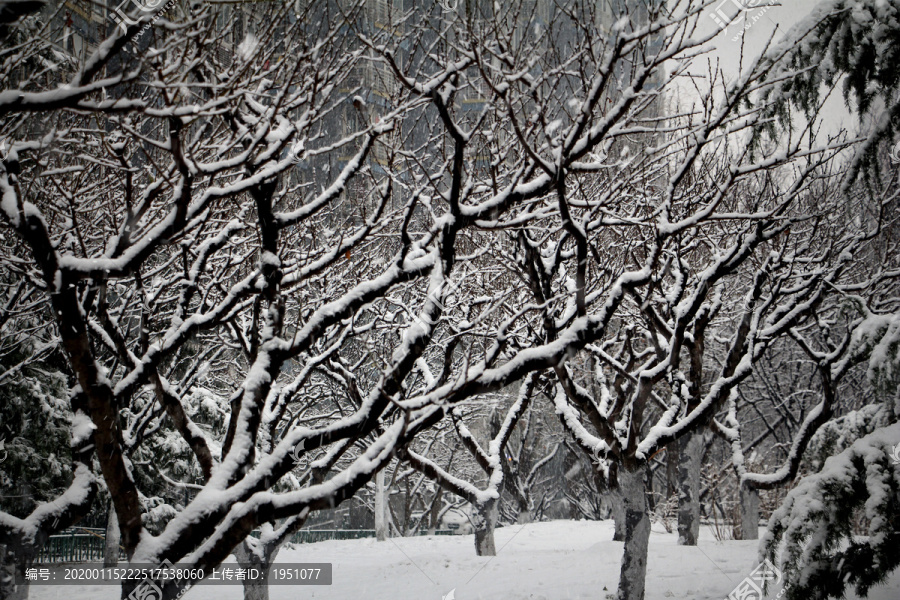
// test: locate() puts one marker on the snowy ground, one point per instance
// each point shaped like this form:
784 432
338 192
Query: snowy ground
560 560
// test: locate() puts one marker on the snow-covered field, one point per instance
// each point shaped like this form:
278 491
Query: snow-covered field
559 560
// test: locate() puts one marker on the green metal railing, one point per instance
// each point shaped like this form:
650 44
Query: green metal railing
311 536
88 544
82 544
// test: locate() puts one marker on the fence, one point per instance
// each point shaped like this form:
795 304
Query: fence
87 544
83 544
310 536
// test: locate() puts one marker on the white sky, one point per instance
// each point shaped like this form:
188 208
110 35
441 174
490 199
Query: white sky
765 21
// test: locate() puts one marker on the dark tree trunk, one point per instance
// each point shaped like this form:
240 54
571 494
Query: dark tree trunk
749 513
111 549
257 588
484 517
380 520
612 494
569 462
689 463
617 506
633 574
434 519
672 469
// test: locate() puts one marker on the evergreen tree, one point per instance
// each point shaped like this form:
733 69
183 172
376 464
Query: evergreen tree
822 554
852 43
34 429
823 557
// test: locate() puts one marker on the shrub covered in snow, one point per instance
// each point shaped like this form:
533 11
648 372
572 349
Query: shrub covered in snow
821 557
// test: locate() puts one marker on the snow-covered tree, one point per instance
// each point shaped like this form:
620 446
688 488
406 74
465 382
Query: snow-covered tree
822 556
851 45
35 461
493 460
333 228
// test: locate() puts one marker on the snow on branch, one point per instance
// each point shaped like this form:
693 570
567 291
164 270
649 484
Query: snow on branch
822 552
